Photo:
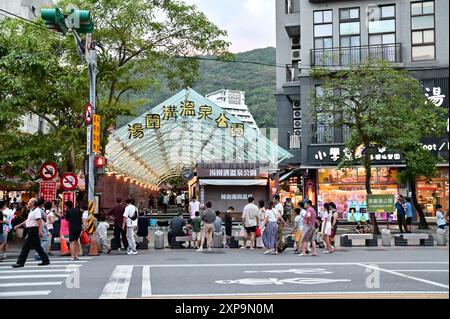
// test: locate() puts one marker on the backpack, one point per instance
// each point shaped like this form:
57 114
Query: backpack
135 215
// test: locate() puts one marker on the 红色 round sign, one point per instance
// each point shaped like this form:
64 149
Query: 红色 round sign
48 171
69 181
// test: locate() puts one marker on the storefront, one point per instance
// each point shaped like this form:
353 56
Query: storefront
346 187
291 187
434 191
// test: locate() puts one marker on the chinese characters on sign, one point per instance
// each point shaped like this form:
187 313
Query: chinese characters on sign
170 112
237 129
235 196
96 134
334 154
187 108
47 190
136 130
152 121
233 172
222 121
380 203
205 112
436 98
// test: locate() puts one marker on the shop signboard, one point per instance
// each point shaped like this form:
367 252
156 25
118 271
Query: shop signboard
380 203
232 172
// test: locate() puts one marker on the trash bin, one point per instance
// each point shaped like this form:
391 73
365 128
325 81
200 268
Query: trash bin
218 240
158 239
386 237
440 237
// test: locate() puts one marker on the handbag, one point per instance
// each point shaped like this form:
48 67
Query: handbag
84 238
257 232
243 233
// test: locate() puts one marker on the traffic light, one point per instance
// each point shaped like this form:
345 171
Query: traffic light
100 161
81 21
54 20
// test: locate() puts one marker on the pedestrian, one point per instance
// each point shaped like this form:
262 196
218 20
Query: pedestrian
130 219
34 231
327 229
196 224
50 220
297 230
409 214
73 217
261 223
401 212
270 233
277 205
160 201
194 206
218 223
287 210
44 239
208 219
250 221
281 245
334 222
151 202
309 230
228 221
177 225
440 218
102 234
117 214
166 200
6 216
55 209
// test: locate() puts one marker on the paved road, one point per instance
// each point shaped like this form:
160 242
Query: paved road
397 272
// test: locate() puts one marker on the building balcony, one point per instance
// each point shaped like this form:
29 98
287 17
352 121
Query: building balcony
292 72
346 56
328 134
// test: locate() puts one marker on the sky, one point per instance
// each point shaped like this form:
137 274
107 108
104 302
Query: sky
250 23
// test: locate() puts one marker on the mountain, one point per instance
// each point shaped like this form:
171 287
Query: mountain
258 82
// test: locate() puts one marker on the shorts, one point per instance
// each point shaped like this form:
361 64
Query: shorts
208 228
408 221
196 236
308 235
250 229
74 235
298 235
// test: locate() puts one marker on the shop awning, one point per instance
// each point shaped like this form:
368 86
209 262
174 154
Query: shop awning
282 178
234 182
179 133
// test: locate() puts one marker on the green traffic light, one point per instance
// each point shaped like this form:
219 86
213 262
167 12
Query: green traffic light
81 20
54 19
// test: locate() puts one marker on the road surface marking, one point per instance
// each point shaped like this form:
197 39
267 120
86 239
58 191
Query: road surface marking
48 266
27 284
276 281
146 282
24 293
56 259
309 271
118 283
420 270
51 262
403 275
68 269
35 276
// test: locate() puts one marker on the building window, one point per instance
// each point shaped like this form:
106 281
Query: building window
323 36
350 36
422 31
382 36
324 129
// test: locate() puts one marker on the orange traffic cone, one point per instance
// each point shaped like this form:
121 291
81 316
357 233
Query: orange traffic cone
93 250
64 248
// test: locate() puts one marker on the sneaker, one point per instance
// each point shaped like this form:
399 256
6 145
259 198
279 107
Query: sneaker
17 265
297 253
134 252
43 264
209 248
129 252
71 259
302 255
252 248
200 249
226 246
50 254
268 252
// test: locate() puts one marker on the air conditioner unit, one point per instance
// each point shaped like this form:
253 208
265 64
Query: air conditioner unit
296 55
295 41
296 105
297 124
297 114
297 132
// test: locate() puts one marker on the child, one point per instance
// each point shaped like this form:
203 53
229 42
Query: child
297 230
228 220
196 229
102 231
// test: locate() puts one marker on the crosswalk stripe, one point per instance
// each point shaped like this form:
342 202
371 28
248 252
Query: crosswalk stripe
29 284
25 293
35 276
51 259
37 270
146 283
118 283
48 266
51 262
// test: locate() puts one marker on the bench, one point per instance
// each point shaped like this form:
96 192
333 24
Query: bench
180 239
350 240
413 240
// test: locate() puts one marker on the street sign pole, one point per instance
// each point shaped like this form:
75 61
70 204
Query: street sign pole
92 61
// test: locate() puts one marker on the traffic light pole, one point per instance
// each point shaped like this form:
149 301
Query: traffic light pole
92 62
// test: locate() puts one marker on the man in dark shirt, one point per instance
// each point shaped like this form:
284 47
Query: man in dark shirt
73 217
117 213
176 228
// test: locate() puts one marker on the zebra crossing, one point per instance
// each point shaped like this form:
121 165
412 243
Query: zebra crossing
119 282
33 280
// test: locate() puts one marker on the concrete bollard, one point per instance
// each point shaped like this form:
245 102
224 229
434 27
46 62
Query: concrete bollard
386 237
440 237
158 239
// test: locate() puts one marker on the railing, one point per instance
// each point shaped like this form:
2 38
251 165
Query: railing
328 134
344 56
294 141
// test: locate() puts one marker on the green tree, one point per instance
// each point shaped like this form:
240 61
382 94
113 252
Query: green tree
381 106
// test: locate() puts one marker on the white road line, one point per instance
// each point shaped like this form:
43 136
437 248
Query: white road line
406 276
420 270
25 293
146 282
295 264
35 276
29 284
302 293
68 269
66 258
118 283
51 262
48 266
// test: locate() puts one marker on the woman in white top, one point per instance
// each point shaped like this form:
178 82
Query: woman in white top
262 221
326 228
50 220
270 235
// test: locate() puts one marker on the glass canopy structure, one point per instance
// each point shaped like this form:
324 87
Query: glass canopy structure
182 131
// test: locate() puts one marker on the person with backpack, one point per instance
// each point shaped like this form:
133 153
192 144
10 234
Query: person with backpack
130 221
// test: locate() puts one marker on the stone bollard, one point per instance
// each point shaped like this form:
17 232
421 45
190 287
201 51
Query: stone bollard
440 237
386 237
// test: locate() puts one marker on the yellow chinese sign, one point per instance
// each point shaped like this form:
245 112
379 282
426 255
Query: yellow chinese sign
152 121
136 130
96 134
222 121
205 112
187 108
237 129
170 112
